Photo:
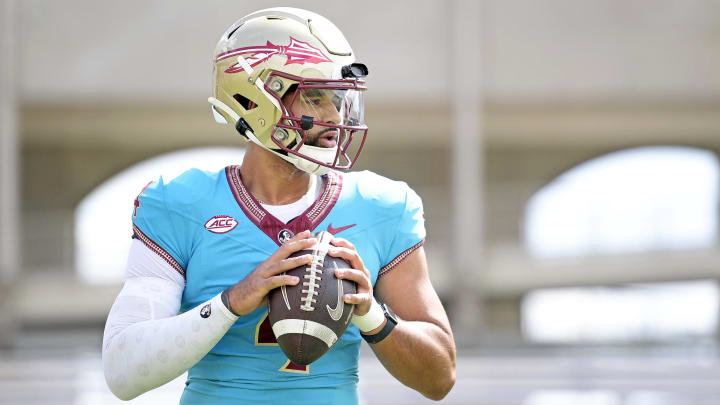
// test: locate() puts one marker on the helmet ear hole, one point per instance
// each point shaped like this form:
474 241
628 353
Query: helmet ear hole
290 90
246 103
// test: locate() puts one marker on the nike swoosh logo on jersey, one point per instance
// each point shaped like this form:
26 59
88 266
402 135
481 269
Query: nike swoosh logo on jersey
336 313
338 230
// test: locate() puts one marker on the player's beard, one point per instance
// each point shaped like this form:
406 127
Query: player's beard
322 138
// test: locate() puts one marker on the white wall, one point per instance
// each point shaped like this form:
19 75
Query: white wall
554 49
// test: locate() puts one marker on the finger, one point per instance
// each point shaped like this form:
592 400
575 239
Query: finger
340 242
291 247
300 235
357 299
277 281
354 275
350 255
287 264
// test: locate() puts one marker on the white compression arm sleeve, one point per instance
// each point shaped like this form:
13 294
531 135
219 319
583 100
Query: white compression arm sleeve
146 343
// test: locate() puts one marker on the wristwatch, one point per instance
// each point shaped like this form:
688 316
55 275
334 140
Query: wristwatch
389 325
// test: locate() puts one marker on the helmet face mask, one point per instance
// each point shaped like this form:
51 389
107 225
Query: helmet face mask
325 114
279 72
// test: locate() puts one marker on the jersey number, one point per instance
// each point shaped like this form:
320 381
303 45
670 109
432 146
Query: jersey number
264 336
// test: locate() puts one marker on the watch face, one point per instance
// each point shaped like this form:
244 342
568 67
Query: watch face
389 313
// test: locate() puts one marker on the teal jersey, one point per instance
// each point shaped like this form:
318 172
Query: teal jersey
214 233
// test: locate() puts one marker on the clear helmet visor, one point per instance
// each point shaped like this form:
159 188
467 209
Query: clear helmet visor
329 106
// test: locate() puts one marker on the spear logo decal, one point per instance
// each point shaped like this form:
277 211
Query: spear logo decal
296 52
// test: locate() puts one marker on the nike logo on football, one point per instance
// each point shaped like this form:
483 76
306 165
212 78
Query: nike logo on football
285 296
338 230
336 313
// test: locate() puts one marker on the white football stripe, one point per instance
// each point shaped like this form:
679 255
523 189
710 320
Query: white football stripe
323 244
311 328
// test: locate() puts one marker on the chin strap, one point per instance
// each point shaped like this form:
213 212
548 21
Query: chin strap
219 105
325 155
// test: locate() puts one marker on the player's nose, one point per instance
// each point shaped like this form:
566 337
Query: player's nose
330 115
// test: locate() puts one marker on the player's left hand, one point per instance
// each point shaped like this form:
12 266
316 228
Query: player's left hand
343 249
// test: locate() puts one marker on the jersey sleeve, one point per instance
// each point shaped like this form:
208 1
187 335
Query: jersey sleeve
409 233
158 227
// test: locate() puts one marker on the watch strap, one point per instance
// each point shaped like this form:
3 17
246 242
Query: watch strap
385 331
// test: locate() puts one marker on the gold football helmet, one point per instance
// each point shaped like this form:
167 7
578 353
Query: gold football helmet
287 80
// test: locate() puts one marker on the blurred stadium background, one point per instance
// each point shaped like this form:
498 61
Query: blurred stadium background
566 152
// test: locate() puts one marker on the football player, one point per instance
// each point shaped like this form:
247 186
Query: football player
208 247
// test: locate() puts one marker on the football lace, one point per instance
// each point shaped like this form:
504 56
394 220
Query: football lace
313 284
313 273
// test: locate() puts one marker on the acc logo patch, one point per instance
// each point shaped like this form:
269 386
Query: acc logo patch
221 224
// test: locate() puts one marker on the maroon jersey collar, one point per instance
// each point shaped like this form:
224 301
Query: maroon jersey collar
277 230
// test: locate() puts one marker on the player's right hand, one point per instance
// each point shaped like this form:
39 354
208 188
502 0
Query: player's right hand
251 292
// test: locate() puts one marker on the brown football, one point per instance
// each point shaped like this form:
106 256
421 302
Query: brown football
308 318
